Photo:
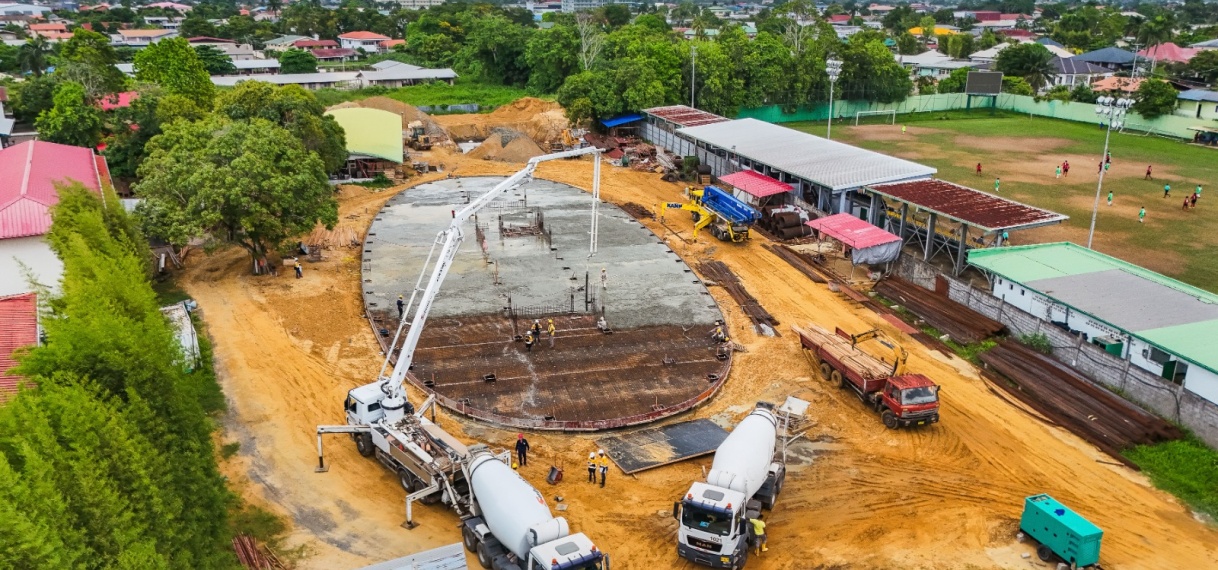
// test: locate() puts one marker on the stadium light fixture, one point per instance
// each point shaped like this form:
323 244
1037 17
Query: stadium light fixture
833 67
1113 110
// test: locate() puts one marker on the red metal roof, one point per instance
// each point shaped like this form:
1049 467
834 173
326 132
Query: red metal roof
331 53
28 173
18 329
963 204
852 231
314 43
685 116
756 184
117 100
210 40
1169 52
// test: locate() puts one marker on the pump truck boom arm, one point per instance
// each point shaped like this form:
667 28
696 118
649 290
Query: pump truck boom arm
451 238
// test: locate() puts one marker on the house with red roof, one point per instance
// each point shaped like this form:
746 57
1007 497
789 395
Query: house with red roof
368 41
29 172
307 44
18 330
1168 52
117 100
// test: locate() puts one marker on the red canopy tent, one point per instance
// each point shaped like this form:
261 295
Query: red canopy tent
868 244
759 186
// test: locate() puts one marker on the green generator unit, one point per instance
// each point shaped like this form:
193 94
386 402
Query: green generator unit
1061 532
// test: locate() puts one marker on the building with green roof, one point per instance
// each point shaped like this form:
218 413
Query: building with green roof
374 140
1159 324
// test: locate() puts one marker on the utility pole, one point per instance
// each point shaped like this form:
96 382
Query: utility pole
693 72
1114 111
833 68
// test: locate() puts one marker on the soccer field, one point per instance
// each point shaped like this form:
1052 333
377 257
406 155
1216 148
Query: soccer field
1024 152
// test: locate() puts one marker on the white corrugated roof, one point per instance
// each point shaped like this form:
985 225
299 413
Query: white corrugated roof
400 72
828 163
389 63
288 78
256 64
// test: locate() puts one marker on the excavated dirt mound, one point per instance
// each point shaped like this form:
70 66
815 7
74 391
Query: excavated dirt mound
507 145
409 113
542 121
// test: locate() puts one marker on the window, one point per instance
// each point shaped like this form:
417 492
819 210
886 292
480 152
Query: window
1021 292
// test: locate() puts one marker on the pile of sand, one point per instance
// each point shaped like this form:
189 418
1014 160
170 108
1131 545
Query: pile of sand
506 145
542 121
409 113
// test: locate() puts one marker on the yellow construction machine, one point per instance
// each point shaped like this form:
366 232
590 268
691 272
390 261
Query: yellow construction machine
728 218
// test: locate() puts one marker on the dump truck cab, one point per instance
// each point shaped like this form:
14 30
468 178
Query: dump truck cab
910 399
712 530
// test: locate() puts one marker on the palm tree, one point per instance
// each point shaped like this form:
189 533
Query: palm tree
1155 32
33 55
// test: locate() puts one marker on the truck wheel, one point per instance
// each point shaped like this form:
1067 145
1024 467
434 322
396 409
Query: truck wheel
467 537
825 370
407 481
1044 553
363 443
484 557
429 499
837 378
890 419
744 558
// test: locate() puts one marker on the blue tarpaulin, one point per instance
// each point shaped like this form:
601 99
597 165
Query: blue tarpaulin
617 121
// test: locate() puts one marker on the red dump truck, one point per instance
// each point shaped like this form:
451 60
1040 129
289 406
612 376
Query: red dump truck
901 399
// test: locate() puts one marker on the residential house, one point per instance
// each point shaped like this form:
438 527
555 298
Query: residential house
24 10
334 54
1071 72
1210 44
1168 52
389 44
417 4
27 193
47 29
1113 58
334 79
308 44
987 56
1113 84
368 41
183 8
234 50
1198 104
256 66
404 74
283 43
141 38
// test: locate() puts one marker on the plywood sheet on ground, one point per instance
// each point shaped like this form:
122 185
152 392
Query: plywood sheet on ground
649 448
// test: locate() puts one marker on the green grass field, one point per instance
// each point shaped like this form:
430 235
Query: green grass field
1024 152
433 94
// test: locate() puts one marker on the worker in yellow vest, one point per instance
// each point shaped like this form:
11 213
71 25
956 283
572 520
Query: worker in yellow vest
603 463
759 534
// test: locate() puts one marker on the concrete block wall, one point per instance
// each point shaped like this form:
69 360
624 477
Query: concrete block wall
1135 384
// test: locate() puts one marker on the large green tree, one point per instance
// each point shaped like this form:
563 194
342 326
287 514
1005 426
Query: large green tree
112 456
297 61
293 108
88 59
72 119
551 56
1031 61
33 96
1204 65
215 61
1154 98
175 66
869 71
250 183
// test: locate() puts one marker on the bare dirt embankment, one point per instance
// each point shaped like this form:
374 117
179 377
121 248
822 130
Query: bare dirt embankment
863 497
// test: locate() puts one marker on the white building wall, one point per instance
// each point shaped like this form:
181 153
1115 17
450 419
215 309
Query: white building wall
36 255
1202 382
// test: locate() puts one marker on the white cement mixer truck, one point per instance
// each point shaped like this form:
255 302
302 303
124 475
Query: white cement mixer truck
745 477
511 527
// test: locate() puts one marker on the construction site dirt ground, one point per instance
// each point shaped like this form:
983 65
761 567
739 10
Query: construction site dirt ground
857 496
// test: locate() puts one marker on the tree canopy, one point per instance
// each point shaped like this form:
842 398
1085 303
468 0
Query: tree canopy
1154 98
175 66
297 61
72 119
293 108
1030 61
250 183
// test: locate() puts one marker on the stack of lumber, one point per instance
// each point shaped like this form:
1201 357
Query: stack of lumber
864 364
961 323
1066 397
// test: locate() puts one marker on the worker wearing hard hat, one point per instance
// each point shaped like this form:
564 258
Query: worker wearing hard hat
592 467
550 330
602 462
536 329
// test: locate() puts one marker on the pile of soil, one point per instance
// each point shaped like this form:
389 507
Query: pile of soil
506 145
542 121
409 114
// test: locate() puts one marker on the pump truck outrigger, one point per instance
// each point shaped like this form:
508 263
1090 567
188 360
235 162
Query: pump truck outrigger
504 519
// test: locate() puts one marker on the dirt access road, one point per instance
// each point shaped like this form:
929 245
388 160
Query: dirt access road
859 496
